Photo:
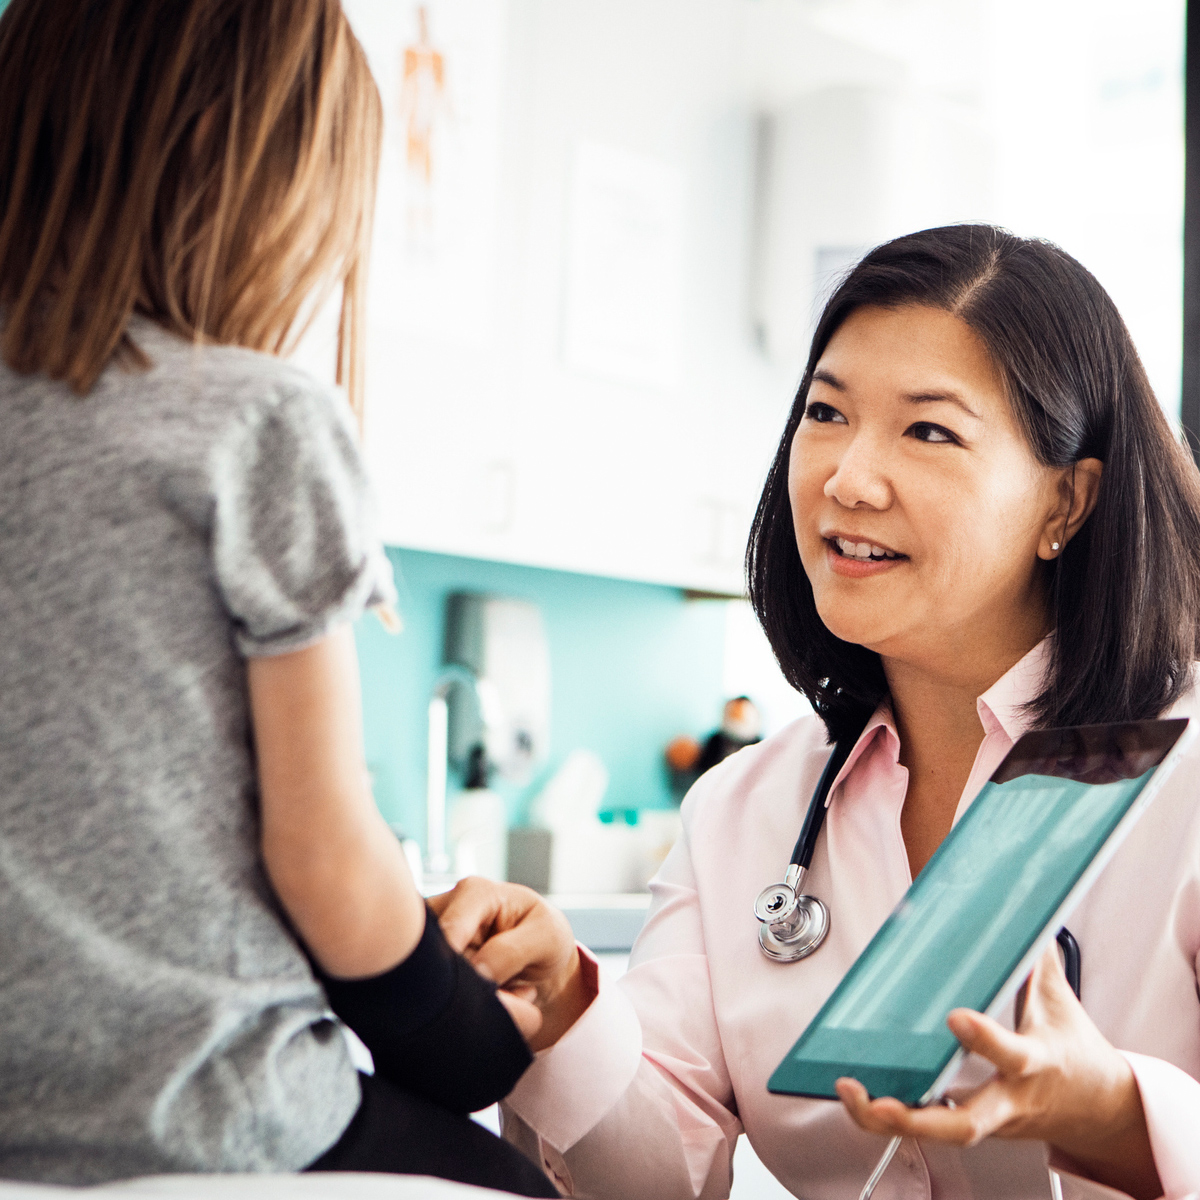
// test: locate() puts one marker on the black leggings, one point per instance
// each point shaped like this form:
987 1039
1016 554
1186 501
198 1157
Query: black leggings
401 1134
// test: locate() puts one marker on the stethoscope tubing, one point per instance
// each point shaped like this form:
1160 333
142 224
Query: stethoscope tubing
814 818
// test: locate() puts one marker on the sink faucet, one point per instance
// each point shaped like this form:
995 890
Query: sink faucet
437 860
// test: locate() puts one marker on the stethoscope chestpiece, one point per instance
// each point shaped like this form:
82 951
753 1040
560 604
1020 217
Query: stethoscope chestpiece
792 925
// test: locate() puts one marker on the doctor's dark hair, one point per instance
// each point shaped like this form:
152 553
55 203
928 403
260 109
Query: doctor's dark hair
1124 594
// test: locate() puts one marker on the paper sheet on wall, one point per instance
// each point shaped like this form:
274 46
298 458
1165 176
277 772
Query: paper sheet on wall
440 68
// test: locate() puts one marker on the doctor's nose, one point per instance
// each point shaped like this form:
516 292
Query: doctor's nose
860 477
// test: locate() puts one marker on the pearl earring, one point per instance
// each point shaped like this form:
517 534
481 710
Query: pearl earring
1053 545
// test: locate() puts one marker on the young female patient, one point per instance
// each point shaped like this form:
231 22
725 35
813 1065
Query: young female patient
978 522
186 827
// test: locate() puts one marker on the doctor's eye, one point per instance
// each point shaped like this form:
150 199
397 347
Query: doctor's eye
924 431
822 413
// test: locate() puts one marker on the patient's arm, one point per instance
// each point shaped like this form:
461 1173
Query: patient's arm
432 1024
633 1097
337 868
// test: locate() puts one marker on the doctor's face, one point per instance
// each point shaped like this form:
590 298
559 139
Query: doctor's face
918 505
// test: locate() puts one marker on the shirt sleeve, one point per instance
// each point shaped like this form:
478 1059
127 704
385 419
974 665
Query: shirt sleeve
636 1100
1171 1101
294 547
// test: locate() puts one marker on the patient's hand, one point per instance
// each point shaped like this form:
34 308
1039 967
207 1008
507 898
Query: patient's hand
515 938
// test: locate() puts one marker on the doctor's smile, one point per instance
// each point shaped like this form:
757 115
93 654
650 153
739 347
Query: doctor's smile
858 559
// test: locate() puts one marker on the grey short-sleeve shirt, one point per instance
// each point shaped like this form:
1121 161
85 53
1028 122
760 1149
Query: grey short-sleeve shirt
156 1013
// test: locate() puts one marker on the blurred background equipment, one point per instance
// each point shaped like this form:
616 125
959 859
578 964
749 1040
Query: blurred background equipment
490 705
501 641
741 726
573 846
438 863
478 826
688 759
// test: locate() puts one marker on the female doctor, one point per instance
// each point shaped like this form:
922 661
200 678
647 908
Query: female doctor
978 522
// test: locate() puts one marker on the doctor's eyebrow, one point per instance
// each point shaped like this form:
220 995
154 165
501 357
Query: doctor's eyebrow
941 397
827 377
820 375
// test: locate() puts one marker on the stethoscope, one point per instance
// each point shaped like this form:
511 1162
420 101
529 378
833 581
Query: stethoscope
793 925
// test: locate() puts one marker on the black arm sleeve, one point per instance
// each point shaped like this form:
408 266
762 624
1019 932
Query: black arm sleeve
434 1026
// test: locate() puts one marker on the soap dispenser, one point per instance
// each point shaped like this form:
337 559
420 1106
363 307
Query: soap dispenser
478 829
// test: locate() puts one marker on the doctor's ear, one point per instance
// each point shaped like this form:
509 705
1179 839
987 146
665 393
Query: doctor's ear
1078 490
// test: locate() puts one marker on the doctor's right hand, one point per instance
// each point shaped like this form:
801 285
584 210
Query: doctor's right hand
514 938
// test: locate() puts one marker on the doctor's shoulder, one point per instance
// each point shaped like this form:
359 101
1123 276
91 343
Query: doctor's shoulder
775 774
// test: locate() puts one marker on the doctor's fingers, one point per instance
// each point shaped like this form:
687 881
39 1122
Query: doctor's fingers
477 908
1050 999
1012 1054
539 950
526 1017
987 1112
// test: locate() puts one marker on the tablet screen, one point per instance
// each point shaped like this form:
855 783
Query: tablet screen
977 908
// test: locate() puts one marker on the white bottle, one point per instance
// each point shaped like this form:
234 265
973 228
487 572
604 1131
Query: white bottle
478 827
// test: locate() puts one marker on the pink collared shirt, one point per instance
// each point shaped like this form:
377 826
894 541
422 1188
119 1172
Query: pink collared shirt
646 1094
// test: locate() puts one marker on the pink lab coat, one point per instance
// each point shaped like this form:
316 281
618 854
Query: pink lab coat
645 1096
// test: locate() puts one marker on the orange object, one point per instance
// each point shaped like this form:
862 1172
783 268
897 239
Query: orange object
682 753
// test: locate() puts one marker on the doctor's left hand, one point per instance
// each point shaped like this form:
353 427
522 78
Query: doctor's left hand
1057 1081
525 946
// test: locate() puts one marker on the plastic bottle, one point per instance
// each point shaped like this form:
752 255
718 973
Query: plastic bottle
478 828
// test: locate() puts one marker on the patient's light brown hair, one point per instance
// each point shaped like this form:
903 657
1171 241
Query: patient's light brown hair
209 163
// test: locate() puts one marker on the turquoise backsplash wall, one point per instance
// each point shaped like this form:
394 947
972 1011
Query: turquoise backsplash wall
631 665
